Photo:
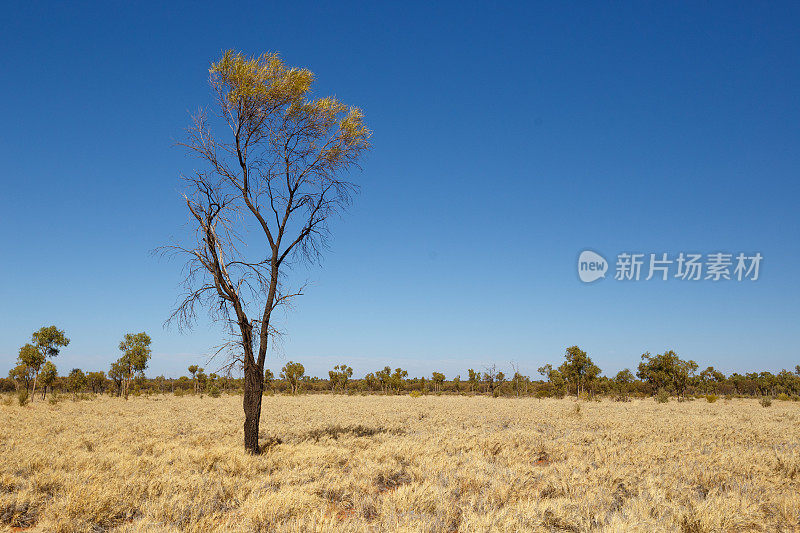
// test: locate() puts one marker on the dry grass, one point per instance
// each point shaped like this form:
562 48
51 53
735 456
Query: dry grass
400 464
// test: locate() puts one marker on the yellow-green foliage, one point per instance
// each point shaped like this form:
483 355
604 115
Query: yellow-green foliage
266 84
394 463
264 77
711 398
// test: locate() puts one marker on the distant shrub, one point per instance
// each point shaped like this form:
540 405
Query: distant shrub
22 396
214 392
541 392
53 399
711 398
795 398
766 401
415 394
8 400
662 396
496 393
179 392
783 397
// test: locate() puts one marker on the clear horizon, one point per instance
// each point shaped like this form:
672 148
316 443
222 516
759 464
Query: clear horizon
506 142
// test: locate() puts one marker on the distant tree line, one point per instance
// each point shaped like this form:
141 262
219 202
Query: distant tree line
577 375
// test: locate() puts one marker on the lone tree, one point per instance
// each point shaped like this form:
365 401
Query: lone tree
268 186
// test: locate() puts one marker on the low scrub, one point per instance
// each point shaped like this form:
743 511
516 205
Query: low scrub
22 397
662 396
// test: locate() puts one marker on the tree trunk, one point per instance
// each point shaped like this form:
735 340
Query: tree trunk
34 386
253 389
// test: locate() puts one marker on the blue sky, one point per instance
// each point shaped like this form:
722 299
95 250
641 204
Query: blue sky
506 141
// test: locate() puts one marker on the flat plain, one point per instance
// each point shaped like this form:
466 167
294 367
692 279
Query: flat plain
396 463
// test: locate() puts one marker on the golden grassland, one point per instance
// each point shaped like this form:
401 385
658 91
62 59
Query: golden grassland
396 463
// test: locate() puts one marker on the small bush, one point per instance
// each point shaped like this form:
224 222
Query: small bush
53 399
179 392
783 397
8 400
662 396
711 398
766 401
214 392
22 396
415 394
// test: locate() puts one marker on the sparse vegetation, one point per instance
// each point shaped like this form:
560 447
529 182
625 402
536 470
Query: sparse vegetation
22 397
389 463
